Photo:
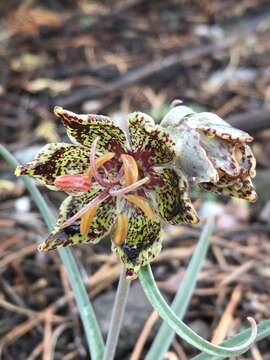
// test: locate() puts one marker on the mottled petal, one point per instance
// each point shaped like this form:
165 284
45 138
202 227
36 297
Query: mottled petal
221 153
192 159
172 198
246 158
83 129
151 138
243 189
142 242
101 223
212 125
55 160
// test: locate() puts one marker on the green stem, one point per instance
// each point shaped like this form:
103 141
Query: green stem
263 331
167 314
180 303
91 327
117 316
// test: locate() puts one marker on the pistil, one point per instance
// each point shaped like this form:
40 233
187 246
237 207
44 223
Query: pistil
96 201
129 188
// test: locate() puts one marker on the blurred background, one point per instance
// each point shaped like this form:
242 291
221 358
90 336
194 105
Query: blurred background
114 57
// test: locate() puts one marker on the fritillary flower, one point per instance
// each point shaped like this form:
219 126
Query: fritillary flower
121 182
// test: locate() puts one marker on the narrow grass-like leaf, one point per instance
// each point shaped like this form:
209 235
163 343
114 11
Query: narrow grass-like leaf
180 303
263 332
91 327
166 313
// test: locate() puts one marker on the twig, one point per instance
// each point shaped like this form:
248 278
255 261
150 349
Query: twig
227 317
148 326
23 311
252 121
47 340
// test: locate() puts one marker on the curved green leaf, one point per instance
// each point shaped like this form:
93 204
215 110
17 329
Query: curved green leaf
180 303
167 314
263 331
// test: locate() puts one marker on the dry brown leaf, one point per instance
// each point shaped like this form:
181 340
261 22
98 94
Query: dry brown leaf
29 21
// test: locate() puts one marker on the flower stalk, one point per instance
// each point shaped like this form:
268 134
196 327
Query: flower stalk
117 316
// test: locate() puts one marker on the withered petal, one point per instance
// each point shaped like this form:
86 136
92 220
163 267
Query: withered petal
248 161
240 188
212 125
221 153
192 159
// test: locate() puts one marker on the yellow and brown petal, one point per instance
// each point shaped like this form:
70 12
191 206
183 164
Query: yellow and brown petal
147 137
83 129
142 240
172 198
100 225
55 160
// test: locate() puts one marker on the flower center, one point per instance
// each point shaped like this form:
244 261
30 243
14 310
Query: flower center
118 180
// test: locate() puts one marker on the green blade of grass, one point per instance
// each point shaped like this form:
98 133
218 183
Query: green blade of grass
180 303
263 331
166 313
90 324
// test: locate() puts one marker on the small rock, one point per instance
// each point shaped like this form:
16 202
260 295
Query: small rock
211 208
137 312
200 328
23 204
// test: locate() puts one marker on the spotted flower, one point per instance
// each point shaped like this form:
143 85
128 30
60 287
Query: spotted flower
120 182
212 153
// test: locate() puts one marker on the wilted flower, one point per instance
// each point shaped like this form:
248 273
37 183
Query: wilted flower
212 153
120 181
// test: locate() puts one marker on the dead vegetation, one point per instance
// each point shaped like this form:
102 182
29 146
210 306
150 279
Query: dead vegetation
114 57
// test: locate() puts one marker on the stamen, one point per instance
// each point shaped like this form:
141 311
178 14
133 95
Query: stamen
131 172
129 188
96 201
99 162
76 182
143 204
87 220
121 230
103 182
